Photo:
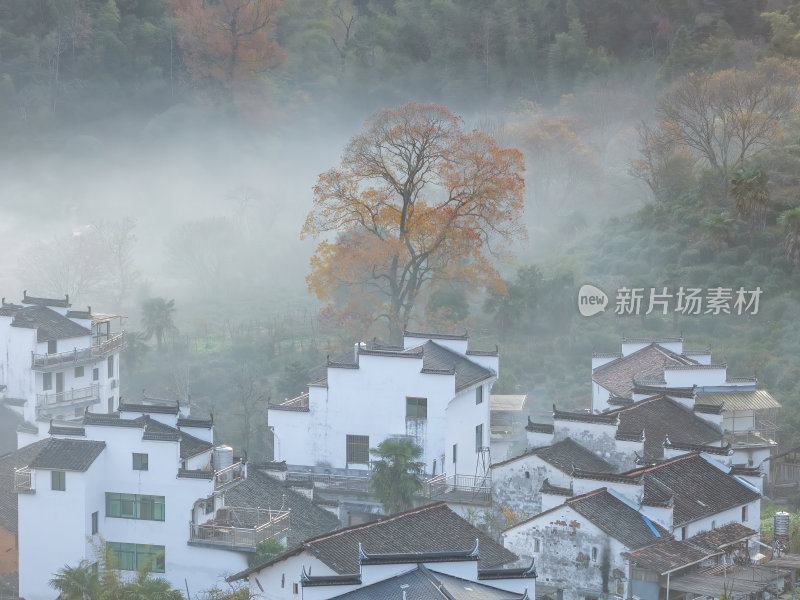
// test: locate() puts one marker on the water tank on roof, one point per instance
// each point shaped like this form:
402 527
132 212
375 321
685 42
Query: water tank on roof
223 457
781 523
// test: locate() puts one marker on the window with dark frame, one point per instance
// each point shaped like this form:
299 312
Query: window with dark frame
479 394
95 374
358 449
139 462
110 366
58 481
95 522
744 514
78 372
52 347
416 408
138 557
47 381
135 506
478 437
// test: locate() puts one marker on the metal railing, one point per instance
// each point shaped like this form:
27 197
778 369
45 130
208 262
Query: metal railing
78 356
23 480
331 481
228 475
465 487
231 535
67 397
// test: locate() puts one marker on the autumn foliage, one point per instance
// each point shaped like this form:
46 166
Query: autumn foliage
227 42
415 201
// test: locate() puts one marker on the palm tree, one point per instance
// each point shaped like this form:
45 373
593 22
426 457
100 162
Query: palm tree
77 583
749 186
157 318
397 473
789 220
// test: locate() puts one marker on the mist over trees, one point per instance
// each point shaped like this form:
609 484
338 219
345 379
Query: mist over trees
169 149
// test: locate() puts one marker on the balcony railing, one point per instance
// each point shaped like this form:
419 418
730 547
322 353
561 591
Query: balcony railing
23 480
226 530
67 398
228 475
333 482
460 488
78 356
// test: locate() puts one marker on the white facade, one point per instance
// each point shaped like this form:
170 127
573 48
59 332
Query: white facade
55 362
62 527
378 396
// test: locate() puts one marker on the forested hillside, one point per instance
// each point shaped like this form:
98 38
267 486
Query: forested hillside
170 149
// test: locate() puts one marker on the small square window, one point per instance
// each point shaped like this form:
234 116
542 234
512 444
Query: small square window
594 554
479 394
744 514
47 381
95 522
294 588
58 481
139 462
357 449
683 533
416 408
95 374
78 372
52 347
110 366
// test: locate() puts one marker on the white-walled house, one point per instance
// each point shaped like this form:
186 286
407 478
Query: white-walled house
578 546
55 362
433 390
660 363
337 555
422 575
149 483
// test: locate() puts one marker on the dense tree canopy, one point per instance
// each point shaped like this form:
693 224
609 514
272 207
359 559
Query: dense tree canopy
415 200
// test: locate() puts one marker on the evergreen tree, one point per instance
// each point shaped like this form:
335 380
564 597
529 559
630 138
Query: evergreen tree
397 473
682 56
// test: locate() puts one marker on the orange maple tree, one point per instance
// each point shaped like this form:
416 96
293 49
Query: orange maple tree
416 200
227 41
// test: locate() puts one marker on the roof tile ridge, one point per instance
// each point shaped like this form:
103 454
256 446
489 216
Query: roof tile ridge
669 461
586 495
428 574
392 518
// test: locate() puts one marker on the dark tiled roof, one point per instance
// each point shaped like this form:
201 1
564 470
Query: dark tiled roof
435 336
68 455
420 557
617 376
548 488
660 417
618 519
58 302
79 314
657 390
584 417
667 556
111 420
424 584
190 445
196 422
539 427
432 528
437 358
260 490
49 324
62 429
725 450
149 408
568 455
8 498
700 488
719 538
